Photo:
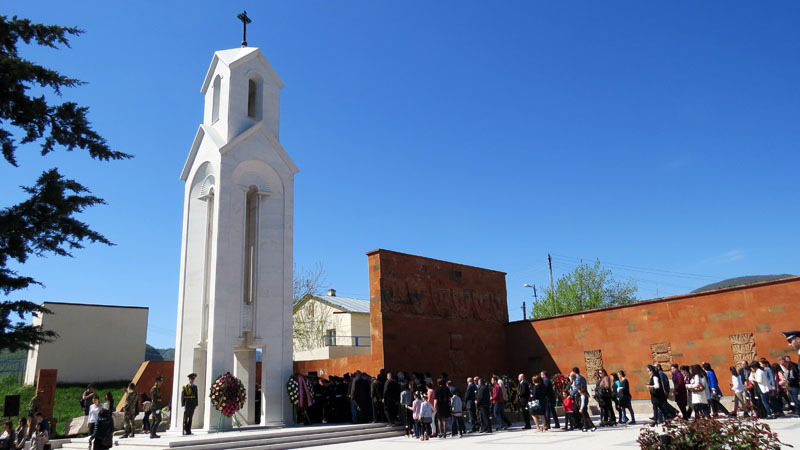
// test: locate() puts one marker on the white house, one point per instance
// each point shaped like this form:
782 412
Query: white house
95 342
327 326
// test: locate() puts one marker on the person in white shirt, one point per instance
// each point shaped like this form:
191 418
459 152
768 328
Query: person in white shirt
94 411
759 377
40 437
738 392
699 389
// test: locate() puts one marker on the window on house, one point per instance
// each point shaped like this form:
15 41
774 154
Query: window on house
330 338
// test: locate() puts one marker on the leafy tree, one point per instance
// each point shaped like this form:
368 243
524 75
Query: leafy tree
586 287
45 223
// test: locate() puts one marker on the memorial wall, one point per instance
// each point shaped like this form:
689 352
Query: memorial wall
721 327
431 316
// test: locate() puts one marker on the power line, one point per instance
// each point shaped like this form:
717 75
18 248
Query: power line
649 270
528 271
567 266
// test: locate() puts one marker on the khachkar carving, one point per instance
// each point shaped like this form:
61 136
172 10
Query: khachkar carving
594 362
662 355
743 346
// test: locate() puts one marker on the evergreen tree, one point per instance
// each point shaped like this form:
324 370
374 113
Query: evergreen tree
45 223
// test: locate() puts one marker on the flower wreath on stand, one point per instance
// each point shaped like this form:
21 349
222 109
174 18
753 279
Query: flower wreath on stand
560 383
227 395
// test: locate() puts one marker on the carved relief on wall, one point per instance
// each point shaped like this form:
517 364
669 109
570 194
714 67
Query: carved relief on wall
594 361
743 346
417 297
662 355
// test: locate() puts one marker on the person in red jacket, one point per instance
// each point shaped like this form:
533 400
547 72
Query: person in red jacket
499 403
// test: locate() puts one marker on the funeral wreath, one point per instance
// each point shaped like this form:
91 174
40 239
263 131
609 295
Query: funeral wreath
227 394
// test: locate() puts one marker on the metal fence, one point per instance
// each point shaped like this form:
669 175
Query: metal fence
13 367
346 341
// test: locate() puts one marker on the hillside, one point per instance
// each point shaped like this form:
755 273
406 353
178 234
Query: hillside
738 281
158 354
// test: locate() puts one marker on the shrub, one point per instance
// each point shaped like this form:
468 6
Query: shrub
708 433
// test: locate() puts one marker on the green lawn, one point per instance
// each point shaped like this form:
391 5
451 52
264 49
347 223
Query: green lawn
67 403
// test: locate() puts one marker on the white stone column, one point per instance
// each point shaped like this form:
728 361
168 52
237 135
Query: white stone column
245 370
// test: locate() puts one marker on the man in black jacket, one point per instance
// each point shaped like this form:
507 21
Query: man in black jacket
103 431
391 398
484 401
470 395
359 397
524 392
376 394
550 403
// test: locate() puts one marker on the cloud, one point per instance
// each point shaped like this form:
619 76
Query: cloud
725 258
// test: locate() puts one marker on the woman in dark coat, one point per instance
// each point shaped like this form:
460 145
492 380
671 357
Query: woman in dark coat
657 395
441 406
538 399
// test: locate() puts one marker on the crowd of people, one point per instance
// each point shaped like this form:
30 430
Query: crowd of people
33 432
438 408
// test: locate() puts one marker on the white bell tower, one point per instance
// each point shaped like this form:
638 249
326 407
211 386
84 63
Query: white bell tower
236 254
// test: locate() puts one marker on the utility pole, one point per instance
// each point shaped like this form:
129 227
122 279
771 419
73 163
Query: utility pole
550 265
524 314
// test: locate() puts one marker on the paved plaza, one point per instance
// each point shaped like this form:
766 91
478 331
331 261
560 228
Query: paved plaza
788 430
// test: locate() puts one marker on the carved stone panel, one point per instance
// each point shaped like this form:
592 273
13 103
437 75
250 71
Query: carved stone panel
662 355
594 361
743 346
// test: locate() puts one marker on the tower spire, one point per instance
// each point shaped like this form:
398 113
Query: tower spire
245 20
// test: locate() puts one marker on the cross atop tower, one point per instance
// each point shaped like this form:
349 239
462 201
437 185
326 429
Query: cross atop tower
245 20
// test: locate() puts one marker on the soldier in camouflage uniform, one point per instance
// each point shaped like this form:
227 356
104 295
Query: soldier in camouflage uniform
155 406
129 410
34 407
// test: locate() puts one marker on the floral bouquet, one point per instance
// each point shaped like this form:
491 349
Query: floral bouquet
560 383
227 394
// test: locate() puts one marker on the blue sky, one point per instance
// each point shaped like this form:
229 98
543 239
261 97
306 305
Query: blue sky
650 135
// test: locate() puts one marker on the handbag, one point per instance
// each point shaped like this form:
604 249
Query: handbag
534 404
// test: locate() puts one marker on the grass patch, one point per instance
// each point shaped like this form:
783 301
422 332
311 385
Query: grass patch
67 398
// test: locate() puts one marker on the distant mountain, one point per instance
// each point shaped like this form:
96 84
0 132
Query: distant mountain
158 354
738 281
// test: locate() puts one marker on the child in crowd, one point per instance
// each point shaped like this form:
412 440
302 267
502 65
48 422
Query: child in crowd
586 421
457 408
569 412
416 406
146 408
426 418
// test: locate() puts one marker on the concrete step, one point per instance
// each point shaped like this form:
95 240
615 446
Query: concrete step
334 438
295 437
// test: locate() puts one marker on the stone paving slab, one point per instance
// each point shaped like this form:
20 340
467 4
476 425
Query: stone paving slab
624 437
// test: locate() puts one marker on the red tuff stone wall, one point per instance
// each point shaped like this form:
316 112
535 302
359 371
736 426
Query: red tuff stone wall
435 316
688 329
431 316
